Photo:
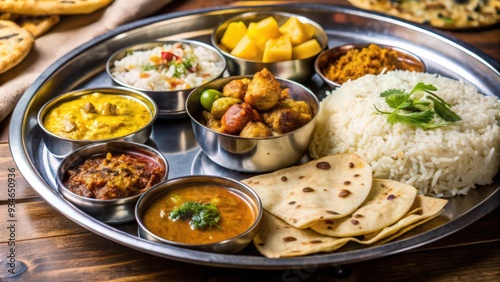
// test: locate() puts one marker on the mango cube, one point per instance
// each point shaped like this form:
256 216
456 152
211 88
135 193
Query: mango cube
309 30
263 30
233 34
296 30
306 49
247 49
277 49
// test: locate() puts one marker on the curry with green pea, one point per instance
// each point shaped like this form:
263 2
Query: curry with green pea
253 108
199 214
208 98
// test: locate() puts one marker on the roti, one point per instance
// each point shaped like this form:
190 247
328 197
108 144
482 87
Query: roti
428 208
277 239
15 44
386 203
52 7
36 25
438 13
327 188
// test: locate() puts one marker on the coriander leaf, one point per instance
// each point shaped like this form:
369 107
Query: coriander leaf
150 67
417 119
418 106
446 20
443 110
391 92
417 112
201 215
382 112
180 69
423 87
438 98
188 61
398 101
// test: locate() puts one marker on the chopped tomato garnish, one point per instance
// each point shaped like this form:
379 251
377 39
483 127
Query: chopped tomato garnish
168 56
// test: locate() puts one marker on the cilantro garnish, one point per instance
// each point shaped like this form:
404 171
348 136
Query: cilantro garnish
417 112
189 61
150 67
202 215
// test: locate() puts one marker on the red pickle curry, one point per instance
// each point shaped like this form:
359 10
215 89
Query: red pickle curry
163 217
256 107
97 116
113 176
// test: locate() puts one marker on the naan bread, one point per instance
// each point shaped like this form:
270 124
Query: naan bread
277 239
52 7
15 44
386 203
36 25
327 188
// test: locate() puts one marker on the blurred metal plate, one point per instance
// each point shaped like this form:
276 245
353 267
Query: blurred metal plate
85 67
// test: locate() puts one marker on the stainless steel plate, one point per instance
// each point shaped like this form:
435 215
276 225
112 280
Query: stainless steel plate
174 138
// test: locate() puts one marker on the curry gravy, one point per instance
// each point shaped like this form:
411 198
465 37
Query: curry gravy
236 215
113 176
97 116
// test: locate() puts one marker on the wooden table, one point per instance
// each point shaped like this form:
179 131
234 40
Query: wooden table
54 248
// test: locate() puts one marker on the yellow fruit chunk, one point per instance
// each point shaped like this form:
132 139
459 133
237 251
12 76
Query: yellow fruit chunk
247 49
233 34
263 30
277 49
306 49
309 30
296 30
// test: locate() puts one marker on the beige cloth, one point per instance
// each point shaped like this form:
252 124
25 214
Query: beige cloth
70 33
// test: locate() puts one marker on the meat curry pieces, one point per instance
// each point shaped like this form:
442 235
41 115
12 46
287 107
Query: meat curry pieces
257 107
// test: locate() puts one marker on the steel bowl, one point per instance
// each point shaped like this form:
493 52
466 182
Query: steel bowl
253 154
297 70
170 102
408 60
109 211
60 147
231 245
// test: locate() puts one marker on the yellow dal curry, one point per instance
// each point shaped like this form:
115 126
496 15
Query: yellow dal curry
236 216
97 116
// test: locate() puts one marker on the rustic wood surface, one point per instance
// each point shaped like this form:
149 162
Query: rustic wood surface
53 248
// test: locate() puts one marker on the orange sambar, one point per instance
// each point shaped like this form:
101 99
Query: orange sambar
236 214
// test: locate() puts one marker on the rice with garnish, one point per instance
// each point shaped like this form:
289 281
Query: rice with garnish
445 161
175 66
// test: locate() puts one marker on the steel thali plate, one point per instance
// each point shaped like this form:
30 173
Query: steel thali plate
85 67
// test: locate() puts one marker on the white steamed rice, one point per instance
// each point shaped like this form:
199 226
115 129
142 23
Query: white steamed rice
143 69
441 162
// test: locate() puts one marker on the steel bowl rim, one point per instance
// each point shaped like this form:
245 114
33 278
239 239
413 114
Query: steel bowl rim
215 43
118 201
189 182
307 90
350 46
160 42
80 92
